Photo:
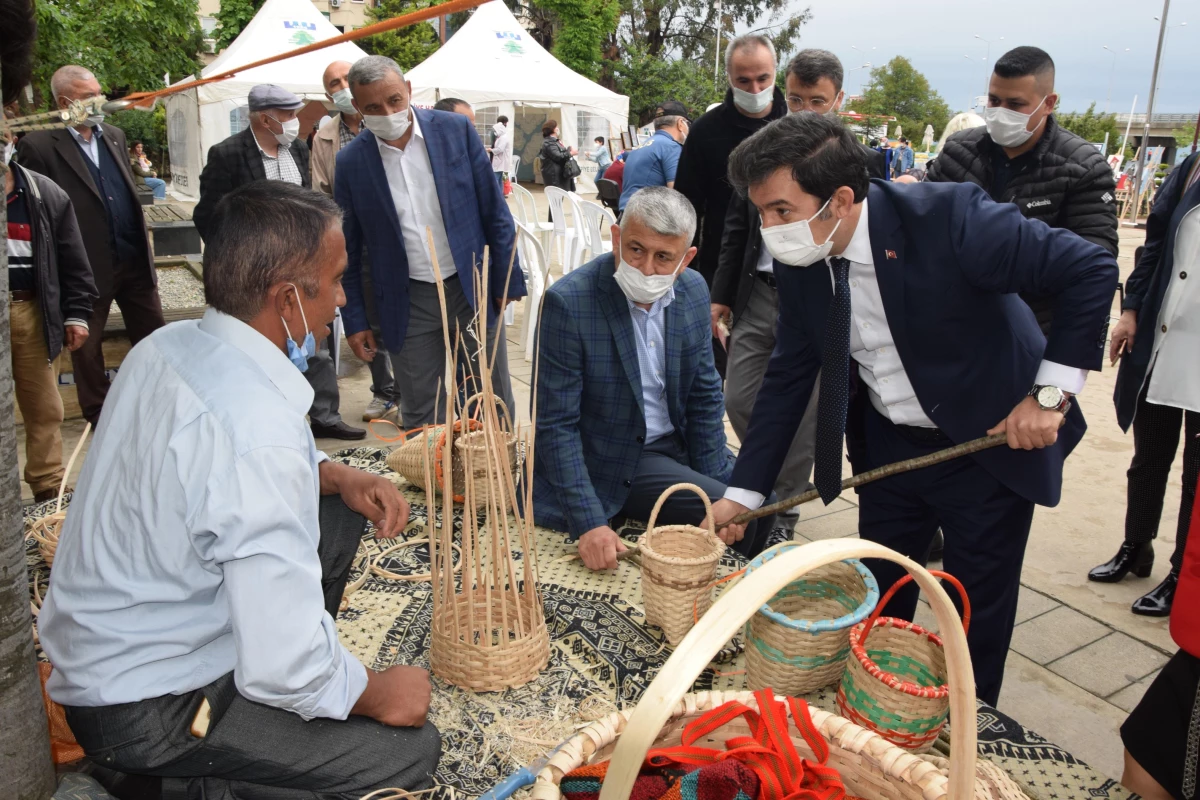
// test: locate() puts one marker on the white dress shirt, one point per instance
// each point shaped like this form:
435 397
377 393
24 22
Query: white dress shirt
649 331
873 348
1175 361
89 146
410 179
190 548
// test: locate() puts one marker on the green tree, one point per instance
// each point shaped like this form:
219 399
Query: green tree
406 46
1093 127
232 17
148 128
128 44
899 90
648 80
575 31
1184 137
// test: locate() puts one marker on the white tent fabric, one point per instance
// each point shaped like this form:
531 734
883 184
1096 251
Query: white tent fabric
496 66
199 118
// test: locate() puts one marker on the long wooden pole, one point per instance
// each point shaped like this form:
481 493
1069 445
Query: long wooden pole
964 449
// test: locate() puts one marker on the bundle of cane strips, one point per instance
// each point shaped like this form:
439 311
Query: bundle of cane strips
45 531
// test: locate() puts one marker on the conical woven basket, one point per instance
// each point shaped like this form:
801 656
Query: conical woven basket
800 640
409 458
678 565
471 454
871 767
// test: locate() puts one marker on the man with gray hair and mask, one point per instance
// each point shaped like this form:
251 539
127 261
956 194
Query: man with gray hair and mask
628 400
190 616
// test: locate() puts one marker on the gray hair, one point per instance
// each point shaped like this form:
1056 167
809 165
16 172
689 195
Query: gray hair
65 76
666 121
262 234
662 210
748 41
371 69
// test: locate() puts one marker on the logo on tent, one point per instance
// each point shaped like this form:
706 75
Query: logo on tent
308 26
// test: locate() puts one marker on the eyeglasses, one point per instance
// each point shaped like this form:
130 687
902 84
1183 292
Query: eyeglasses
796 103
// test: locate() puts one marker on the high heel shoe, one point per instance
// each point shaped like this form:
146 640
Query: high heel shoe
1135 558
1158 602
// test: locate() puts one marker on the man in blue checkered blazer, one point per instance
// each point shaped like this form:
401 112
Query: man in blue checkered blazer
629 402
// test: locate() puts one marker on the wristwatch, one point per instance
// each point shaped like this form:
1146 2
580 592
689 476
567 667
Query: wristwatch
1051 398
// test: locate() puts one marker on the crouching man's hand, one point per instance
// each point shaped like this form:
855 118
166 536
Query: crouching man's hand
398 696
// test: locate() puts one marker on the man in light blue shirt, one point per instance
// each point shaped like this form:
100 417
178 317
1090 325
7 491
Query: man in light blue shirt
655 164
209 542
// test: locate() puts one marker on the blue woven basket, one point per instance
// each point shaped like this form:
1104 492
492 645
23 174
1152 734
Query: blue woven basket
800 640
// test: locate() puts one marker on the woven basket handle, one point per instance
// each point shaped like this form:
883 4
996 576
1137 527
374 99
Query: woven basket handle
477 398
708 515
737 605
904 581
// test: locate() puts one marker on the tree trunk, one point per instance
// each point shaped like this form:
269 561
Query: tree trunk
26 770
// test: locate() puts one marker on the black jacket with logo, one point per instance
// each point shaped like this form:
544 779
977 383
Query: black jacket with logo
1064 181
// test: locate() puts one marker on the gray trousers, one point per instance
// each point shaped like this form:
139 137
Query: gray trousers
421 363
750 348
663 464
322 377
258 752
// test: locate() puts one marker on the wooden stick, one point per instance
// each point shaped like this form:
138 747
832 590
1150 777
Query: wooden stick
964 449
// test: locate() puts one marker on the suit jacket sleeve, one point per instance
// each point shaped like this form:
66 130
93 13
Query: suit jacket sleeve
559 397
733 252
216 181
77 286
1001 251
1158 225
29 155
786 388
354 313
705 408
499 230
1088 213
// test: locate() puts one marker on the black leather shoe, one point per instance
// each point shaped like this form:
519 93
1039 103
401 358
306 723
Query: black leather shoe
1135 558
937 547
340 430
1158 602
778 536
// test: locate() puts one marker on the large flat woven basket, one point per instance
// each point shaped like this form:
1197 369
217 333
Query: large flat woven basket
871 767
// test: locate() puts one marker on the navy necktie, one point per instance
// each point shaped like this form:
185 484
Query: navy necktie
835 386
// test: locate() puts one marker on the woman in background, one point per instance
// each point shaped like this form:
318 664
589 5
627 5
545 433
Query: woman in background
143 172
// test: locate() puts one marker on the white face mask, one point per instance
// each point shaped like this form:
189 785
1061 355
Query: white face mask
95 119
1007 127
642 288
388 127
342 100
291 129
753 103
9 149
793 244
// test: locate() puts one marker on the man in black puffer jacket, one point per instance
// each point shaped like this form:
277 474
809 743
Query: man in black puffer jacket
1023 156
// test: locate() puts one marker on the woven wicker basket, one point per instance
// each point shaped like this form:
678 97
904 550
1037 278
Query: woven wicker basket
678 565
499 660
871 767
800 640
45 531
472 454
409 458
897 686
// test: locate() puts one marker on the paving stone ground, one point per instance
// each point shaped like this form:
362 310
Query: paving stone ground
1079 660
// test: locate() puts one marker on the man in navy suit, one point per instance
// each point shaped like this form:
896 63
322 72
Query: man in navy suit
916 284
416 174
628 399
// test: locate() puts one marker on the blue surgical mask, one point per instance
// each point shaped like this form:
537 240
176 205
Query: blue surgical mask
299 355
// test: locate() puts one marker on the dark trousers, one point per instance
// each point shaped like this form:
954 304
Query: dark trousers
383 380
1155 441
986 526
664 463
137 297
258 752
322 377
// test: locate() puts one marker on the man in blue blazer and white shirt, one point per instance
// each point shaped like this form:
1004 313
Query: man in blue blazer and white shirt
410 172
916 284
629 401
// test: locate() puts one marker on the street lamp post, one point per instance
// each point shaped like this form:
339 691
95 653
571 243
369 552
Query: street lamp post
1141 165
1112 74
717 53
861 81
987 60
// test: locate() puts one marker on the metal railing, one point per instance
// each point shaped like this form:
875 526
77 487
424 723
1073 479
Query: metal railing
1158 120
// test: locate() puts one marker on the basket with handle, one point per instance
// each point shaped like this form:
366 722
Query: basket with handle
409 458
473 456
799 640
871 767
897 684
678 565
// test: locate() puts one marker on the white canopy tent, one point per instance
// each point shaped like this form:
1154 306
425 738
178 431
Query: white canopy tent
496 66
199 118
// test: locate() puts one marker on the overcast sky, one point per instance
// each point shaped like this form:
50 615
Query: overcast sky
936 35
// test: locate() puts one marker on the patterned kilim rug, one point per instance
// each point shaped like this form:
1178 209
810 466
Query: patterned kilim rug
602 658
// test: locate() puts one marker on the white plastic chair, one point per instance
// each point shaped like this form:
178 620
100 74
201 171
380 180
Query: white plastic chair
516 162
529 217
565 236
537 279
596 220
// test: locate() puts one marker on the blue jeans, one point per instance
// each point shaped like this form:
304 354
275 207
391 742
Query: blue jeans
600 172
159 186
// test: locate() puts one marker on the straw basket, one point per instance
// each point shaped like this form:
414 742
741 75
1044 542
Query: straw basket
409 458
897 686
870 766
472 454
678 565
800 640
